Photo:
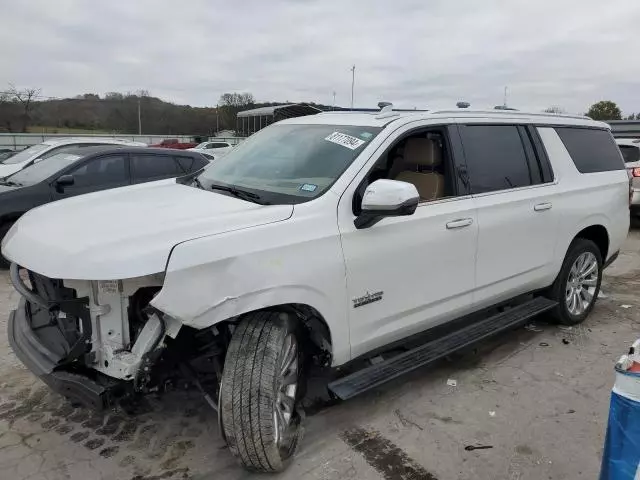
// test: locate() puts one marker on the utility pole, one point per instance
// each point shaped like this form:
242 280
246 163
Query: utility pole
334 101
505 97
217 118
139 119
353 81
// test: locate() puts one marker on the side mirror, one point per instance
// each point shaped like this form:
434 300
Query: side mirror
387 198
64 181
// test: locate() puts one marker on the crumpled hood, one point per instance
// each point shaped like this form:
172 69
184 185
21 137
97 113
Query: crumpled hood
126 232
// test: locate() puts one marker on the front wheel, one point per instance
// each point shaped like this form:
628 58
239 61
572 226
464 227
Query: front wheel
578 283
259 390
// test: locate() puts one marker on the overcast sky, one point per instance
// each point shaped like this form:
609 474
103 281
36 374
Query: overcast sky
422 53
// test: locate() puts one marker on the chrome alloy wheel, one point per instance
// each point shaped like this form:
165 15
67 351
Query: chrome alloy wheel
286 388
581 284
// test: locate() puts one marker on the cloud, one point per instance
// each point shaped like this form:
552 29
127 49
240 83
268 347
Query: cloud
413 53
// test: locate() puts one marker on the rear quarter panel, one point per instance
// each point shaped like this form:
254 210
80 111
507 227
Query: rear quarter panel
586 199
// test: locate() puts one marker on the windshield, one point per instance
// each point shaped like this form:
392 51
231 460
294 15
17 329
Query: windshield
26 154
42 170
290 163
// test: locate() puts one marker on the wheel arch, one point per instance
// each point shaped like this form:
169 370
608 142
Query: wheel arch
316 326
599 235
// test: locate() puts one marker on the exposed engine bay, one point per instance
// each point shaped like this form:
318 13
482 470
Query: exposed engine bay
106 332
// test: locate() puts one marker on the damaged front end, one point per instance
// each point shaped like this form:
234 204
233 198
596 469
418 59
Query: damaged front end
99 341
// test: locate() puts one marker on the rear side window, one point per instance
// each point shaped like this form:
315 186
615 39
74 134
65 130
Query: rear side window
191 164
591 150
495 157
145 166
630 153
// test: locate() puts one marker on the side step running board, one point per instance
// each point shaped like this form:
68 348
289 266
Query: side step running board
375 375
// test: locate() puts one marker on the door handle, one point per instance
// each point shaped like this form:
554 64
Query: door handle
460 223
542 206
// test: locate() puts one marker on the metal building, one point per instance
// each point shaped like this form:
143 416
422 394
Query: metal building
625 128
250 121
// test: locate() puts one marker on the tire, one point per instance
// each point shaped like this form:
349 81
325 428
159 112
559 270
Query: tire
258 359
4 263
567 282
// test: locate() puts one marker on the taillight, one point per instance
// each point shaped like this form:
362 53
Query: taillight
632 172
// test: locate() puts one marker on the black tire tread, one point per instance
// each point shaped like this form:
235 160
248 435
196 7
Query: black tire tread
247 396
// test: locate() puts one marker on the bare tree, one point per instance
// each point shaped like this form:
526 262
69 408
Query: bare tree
25 98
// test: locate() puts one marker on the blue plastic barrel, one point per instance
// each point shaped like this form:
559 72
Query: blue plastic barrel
621 457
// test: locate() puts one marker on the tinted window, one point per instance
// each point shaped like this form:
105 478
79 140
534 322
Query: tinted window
218 145
185 164
495 157
630 153
148 166
110 169
591 150
191 164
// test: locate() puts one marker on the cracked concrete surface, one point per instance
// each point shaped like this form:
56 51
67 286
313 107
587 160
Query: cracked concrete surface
539 402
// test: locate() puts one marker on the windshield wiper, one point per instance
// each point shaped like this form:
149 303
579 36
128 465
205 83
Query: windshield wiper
239 193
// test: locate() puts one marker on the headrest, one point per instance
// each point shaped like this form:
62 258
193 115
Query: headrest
422 151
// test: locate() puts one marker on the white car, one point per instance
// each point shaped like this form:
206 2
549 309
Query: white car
214 148
630 149
324 240
48 148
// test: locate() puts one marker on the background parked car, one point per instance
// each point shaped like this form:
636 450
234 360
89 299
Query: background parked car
6 153
174 143
83 169
630 149
52 147
214 148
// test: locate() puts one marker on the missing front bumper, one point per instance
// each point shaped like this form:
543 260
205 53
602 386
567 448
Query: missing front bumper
27 346
44 362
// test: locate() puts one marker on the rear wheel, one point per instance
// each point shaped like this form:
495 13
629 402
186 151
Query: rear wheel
578 283
259 392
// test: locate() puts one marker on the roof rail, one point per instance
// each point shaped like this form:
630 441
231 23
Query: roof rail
515 113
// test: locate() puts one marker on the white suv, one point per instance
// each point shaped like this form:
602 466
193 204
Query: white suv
320 240
50 147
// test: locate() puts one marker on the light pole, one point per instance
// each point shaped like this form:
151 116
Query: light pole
139 119
353 81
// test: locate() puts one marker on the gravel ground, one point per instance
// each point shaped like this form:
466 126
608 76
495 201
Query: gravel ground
538 397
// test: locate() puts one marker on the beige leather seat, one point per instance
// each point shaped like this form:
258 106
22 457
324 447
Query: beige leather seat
420 153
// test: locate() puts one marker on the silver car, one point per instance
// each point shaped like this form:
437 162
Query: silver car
630 148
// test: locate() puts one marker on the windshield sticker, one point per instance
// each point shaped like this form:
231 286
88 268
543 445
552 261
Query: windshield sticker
308 187
366 135
345 140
